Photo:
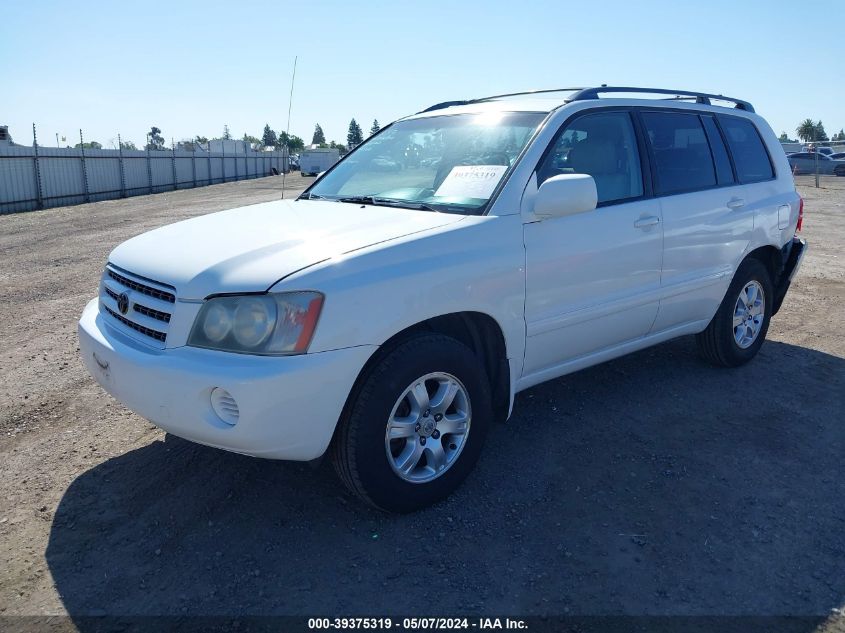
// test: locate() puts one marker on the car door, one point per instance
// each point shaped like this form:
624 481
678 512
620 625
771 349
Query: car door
708 215
592 279
807 164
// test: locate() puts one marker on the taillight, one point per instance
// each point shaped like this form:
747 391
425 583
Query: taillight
800 214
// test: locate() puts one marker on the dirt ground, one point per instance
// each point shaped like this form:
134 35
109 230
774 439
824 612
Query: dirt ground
654 484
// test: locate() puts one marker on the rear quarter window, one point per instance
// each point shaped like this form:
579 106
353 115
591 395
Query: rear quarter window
747 149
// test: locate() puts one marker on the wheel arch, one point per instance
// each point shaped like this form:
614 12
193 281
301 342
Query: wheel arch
478 331
772 258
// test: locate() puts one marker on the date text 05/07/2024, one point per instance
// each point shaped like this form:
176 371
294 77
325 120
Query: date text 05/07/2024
426 624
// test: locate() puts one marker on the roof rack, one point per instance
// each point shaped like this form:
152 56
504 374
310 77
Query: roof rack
583 94
449 104
700 97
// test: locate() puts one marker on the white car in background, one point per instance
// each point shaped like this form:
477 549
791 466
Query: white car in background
390 316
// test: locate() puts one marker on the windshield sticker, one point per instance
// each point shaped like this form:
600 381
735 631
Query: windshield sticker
471 181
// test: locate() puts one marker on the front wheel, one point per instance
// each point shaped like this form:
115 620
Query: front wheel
738 329
416 424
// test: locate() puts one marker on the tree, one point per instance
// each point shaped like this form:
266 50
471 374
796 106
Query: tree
807 130
319 138
376 127
252 140
269 138
88 145
839 136
821 135
155 141
341 148
354 136
226 134
128 145
201 140
292 142
783 138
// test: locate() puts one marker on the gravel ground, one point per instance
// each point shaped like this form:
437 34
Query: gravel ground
653 484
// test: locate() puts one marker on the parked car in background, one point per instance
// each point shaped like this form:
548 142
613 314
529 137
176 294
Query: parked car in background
389 317
806 163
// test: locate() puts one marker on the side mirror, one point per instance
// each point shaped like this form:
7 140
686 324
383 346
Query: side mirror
566 194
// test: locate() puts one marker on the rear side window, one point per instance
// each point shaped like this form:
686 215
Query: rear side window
724 173
747 148
682 157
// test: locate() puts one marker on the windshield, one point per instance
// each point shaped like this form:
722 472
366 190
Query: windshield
442 163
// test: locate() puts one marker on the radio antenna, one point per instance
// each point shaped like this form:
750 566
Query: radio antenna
287 131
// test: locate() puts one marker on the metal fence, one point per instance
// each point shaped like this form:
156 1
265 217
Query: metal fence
38 177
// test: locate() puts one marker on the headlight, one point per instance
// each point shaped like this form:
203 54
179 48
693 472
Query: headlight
272 324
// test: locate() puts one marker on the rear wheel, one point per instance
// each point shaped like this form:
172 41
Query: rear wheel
415 427
738 329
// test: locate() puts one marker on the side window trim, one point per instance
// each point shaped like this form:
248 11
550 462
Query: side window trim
722 138
728 149
645 158
645 166
652 161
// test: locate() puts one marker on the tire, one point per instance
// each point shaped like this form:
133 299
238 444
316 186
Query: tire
719 343
367 462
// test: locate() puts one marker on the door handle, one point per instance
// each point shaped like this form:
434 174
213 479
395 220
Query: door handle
644 223
736 203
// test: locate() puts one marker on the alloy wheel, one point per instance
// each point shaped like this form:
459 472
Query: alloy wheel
428 427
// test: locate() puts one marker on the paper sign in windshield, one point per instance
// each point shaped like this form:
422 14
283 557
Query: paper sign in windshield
471 181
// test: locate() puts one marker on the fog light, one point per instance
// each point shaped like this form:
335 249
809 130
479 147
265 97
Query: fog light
224 406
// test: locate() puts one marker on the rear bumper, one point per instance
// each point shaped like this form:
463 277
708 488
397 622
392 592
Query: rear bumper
797 250
288 406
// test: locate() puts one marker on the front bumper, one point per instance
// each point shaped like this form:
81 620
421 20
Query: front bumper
288 406
794 257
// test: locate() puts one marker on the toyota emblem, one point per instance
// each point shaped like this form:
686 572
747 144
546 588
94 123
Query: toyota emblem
123 303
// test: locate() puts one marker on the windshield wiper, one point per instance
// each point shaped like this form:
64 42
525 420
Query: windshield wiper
313 196
387 202
359 199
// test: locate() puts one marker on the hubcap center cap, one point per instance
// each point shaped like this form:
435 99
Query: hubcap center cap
427 427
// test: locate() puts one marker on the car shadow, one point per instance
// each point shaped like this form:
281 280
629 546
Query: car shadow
653 484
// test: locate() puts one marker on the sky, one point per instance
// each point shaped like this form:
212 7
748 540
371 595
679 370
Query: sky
190 67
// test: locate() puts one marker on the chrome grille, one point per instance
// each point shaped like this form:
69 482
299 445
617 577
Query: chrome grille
159 336
148 304
156 314
142 288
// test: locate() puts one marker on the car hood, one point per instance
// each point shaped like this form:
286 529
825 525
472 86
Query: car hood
248 249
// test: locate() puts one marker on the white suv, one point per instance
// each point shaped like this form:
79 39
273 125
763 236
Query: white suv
459 256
